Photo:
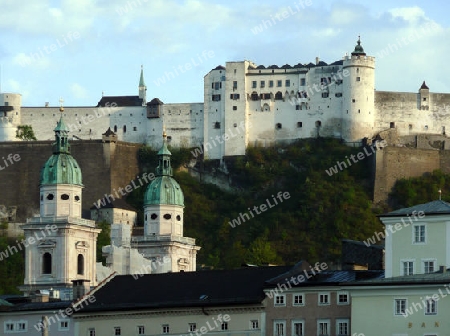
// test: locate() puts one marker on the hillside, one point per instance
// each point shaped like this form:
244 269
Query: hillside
310 224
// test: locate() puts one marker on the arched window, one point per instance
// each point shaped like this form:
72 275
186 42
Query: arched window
278 95
124 128
80 264
47 263
115 129
318 123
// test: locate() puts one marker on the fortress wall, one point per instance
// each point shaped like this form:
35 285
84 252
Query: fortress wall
394 163
19 182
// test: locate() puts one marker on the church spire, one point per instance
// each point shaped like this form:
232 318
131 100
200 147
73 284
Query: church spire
142 87
61 144
359 50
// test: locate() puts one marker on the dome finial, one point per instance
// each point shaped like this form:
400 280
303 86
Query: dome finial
61 107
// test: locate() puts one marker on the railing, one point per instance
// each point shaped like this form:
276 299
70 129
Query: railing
184 240
61 219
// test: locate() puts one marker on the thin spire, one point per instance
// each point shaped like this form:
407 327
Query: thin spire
141 80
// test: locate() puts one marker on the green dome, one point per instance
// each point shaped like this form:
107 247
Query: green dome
61 167
164 190
359 50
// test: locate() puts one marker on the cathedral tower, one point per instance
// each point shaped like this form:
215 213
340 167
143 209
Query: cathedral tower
60 246
163 240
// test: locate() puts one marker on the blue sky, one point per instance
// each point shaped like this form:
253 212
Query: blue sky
77 49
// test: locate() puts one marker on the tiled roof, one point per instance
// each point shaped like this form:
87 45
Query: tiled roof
34 306
437 207
120 101
184 289
155 101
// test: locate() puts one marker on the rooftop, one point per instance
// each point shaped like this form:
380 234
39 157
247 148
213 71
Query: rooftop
437 207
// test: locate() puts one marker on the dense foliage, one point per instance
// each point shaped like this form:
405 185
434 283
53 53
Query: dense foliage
321 210
419 190
12 266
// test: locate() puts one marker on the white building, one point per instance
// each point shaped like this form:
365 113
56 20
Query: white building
412 299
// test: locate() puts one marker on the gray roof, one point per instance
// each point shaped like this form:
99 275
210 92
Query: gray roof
437 207
438 277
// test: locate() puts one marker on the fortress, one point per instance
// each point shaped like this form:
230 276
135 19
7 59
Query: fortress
245 104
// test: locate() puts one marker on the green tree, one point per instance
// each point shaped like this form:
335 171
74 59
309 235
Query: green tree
25 132
103 239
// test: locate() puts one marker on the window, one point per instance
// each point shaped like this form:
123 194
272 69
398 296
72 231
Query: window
288 82
298 328
278 96
134 128
324 299
47 263
117 331
165 329
263 84
342 298
124 128
299 124
224 325
167 216
428 266
318 123
63 325
234 108
279 328
392 124
15 326
324 94
407 267
64 197
338 94
342 327
298 300
279 83
278 126
297 107
141 330
216 97
254 96
80 264
280 300
431 308
254 324
153 216
265 95
400 306
77 198
234 84
254 84
358 79
323 327
353 100
302 81
234 96
217 125
271 83
115 129
192 326
50 197
424 99
91 332
419 233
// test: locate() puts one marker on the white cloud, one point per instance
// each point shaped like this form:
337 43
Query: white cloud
78 91
34 60
411 14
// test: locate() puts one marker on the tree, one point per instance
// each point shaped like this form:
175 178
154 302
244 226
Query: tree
25 132
103 239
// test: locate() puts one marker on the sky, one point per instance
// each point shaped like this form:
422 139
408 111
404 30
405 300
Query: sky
81 49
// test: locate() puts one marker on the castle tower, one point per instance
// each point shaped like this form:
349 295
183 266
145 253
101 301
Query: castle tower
358 106
142 88
163 240
60 246
10 104
424 97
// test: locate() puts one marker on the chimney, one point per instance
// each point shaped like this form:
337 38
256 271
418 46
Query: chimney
442 269
40 296
80 287
317 60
